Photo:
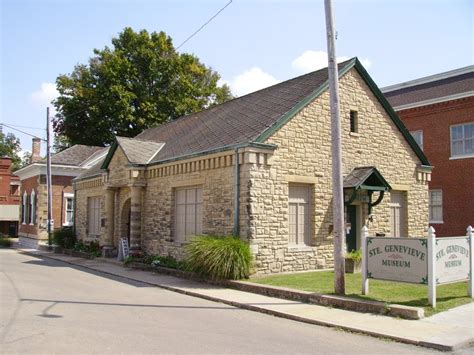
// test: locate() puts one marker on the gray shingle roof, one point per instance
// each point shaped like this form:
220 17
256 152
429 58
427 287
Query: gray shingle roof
75 155
139 151
236 121
364 175
432 90
249 119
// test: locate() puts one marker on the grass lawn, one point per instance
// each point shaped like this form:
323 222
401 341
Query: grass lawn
448 296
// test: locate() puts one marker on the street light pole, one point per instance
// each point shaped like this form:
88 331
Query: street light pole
336 153
48 177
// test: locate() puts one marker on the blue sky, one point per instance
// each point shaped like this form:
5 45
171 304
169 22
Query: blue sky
252 43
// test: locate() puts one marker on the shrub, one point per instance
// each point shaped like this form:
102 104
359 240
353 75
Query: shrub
128 259
64 237
5 242
219 257
355 255
167 261
92 248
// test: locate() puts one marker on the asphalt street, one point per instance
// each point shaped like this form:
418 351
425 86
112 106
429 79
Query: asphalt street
47 306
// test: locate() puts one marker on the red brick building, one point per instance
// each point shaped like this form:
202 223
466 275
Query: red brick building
9 198
438 111
65 166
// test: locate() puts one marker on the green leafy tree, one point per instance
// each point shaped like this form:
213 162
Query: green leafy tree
138 83
10 147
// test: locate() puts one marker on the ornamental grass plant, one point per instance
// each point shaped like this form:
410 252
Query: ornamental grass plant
219 257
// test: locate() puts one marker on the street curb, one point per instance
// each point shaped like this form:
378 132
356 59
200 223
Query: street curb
347 303
268 311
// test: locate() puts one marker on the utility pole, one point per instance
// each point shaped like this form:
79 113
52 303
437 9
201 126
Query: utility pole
337 187
48 177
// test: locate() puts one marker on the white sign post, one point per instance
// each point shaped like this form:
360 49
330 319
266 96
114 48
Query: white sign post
431 267
471 260
365 280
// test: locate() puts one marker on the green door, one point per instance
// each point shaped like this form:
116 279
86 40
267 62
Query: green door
351 237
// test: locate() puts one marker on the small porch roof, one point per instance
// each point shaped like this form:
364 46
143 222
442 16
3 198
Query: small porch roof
366 178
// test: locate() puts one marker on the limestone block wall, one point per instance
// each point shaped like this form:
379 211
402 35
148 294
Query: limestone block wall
84 190
118 166
304 156
214 174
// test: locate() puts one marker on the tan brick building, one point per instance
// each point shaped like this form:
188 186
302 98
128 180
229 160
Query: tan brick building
65 166
259 166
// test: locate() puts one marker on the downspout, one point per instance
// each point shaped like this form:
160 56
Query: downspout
236 230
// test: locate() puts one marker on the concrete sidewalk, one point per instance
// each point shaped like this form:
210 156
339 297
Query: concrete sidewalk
447 331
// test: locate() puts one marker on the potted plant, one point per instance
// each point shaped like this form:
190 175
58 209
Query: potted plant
353 261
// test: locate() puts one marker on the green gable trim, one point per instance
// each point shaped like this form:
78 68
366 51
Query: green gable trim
375 90
391 112
302 104
217 150
373 188
110 154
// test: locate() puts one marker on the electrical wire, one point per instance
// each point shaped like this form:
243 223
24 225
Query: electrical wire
78 112
17 125
204 25
19 130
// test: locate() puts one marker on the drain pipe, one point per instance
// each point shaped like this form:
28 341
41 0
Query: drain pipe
236 230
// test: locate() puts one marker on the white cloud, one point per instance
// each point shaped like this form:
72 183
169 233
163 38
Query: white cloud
251 80
45 95
366 62
313 60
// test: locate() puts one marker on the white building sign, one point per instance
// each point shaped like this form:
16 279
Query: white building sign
452 259
397 259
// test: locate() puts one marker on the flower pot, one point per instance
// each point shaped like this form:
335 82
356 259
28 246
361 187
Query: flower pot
352 266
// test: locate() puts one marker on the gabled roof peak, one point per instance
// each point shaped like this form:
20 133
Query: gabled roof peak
138 151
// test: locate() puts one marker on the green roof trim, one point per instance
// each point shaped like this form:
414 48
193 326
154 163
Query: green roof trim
391 112
354 62
217 150
115 145
110 154
302 104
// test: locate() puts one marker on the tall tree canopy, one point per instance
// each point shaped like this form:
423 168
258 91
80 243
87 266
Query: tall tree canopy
10 147
138 83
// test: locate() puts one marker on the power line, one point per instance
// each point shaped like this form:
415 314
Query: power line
17 125
19 130
204 25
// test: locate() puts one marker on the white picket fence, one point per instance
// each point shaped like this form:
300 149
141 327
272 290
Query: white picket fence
431 261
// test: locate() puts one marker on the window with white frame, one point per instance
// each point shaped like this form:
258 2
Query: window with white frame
462 140
23 208
93 215
188 212
436 206
418 137
299 218
33 207
68 209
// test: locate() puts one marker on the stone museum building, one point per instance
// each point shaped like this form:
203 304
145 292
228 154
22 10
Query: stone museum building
259 166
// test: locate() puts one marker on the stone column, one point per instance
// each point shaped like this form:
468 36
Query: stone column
107 250
135 217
